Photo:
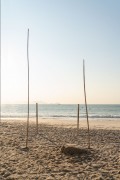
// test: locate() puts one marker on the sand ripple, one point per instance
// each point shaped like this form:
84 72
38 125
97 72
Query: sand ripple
44 159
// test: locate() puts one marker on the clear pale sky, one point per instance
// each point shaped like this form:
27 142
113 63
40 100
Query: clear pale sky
62 34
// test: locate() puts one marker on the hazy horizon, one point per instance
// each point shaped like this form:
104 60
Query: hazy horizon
62 34
45 103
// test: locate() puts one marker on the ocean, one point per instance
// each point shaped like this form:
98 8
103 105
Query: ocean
60 111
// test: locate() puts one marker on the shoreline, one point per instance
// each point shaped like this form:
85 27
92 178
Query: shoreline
101 123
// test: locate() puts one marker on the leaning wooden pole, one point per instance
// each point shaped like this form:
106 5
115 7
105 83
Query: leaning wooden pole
0 87
28 89
86 104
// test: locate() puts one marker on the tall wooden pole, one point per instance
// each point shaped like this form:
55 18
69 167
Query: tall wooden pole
28 87
86 104
0 67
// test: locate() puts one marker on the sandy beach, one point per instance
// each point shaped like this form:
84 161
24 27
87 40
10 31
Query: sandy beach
44 159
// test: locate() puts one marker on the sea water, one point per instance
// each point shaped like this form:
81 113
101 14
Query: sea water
61 111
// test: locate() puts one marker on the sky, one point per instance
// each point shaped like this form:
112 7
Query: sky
62 34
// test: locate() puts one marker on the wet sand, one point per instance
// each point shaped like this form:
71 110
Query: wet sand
44 159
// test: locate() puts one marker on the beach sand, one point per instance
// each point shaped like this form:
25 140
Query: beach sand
44 159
